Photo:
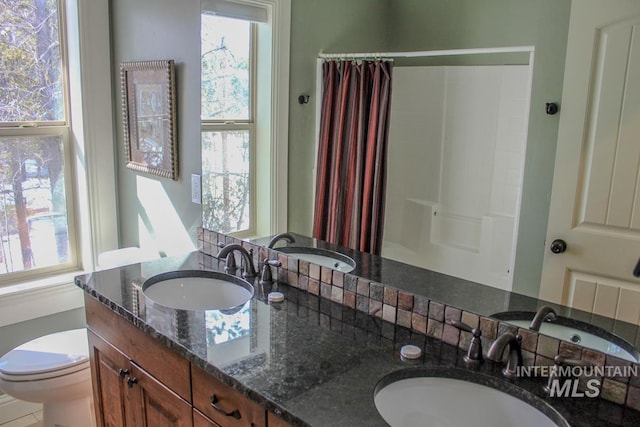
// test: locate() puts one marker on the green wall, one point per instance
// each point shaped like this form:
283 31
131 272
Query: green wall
329 26
18 333
409 25
154 212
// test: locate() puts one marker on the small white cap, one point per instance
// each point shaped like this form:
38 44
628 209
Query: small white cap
410 352
275 297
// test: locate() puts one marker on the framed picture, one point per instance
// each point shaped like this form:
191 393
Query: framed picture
149 112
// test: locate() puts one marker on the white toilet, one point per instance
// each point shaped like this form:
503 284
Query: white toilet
52 370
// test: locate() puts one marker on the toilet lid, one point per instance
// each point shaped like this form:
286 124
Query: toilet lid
53 352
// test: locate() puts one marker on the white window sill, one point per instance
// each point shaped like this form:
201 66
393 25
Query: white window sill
38 298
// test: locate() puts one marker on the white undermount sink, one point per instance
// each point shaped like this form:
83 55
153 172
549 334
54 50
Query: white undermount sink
323 257
430 397
197 290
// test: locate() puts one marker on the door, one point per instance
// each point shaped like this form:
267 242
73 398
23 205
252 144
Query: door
595 204
154 404
109 368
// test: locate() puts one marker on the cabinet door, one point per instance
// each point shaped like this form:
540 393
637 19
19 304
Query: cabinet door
109 367
200 420
157 405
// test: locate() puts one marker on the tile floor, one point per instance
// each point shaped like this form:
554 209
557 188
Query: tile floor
32 420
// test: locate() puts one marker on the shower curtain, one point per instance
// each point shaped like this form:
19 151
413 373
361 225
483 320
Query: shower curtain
352 154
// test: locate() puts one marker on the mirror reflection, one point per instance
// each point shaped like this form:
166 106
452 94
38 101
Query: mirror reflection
548 322
485 206
407 227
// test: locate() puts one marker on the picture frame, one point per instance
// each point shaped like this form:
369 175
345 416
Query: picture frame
149 117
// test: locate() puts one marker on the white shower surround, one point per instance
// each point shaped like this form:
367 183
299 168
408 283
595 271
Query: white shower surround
456 156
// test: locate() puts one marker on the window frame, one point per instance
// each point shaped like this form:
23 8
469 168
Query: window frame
60 128
250 124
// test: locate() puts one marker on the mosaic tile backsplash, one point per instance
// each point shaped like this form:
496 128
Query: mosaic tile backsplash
428 317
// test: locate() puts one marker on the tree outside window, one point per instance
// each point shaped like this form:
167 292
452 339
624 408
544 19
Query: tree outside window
227 123
34 229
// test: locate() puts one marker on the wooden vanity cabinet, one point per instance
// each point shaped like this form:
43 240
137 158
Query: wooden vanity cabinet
200 420
138 381
109 388
222 404
128 396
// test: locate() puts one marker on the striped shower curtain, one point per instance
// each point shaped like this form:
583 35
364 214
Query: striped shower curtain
352 154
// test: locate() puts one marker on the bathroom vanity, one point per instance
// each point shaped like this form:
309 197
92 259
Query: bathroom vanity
305 361
138 381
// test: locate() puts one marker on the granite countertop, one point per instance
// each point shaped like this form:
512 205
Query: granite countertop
312 361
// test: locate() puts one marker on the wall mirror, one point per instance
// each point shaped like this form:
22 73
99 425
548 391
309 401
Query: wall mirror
431 25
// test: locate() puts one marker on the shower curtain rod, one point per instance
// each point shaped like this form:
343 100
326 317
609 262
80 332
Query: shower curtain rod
427 53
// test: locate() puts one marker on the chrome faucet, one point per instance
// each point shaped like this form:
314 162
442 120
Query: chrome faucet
515 353
282 236
250 270
545 313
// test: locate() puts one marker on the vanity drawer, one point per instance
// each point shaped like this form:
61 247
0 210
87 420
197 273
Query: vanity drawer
223 404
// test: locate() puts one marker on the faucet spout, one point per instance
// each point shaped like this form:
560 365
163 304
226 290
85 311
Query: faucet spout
544 313
515 353
250 270
282 236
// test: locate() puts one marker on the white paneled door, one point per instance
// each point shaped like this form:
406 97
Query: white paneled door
595 204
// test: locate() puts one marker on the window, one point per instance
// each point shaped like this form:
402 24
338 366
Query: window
36 233
245 115
228 124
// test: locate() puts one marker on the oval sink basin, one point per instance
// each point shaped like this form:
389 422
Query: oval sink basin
197 290
447 397
576 332
323 257
577 336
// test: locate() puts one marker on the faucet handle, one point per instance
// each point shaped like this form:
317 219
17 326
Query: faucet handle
563 359
474 354
464 327
266 278
559 360
221 244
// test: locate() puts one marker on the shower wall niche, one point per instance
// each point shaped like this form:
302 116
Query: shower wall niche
456 156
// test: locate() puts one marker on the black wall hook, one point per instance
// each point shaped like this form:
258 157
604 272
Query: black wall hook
303 99
552 108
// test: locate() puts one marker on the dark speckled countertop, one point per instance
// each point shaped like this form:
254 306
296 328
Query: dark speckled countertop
307 359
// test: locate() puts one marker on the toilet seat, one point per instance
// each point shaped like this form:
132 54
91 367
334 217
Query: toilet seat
50 356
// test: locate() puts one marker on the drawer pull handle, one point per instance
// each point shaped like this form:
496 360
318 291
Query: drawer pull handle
235 413
123 373
131 381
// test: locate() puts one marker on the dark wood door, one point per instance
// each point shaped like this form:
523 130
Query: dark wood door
157 405
200 420
109 368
